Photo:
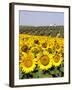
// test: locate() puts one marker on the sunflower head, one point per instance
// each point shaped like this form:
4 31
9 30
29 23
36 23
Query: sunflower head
59 44
57 59
44 45
36 41
27 63
50 50
50 43
44 61
35 50
24 48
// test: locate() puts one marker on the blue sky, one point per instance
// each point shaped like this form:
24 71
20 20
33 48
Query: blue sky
37 18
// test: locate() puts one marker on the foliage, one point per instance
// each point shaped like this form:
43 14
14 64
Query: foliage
43 30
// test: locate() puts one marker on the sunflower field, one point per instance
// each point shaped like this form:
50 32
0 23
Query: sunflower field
40 56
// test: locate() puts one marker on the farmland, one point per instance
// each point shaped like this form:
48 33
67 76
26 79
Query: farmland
52 31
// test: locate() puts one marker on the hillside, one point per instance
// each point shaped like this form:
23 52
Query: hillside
53 31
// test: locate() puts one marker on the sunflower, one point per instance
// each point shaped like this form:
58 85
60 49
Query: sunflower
24 47
31 42
27 63
57 59
36 40
43 43
62 44
48 45
44 61
35 50
50 42
57 45
24 37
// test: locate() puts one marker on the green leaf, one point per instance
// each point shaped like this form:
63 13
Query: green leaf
60 74
45 76
20 74
52 72
49 75
40 73
62 69
57 71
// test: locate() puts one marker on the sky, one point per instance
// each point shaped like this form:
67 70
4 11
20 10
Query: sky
40 18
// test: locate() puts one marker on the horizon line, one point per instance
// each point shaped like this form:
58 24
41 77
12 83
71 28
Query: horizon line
42 25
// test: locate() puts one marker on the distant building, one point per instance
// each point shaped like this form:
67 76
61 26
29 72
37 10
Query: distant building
55 25
51 24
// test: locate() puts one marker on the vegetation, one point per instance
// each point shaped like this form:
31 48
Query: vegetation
52 31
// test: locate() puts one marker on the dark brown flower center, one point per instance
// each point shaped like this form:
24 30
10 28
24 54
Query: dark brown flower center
44 45
24 48
57 46
36 41
50 50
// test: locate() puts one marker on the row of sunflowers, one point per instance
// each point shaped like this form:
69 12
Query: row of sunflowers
40 54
